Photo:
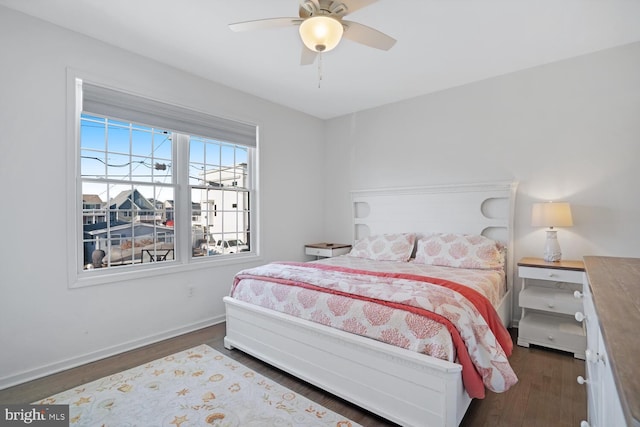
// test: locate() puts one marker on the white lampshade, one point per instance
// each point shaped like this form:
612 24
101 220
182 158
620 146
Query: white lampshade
321 33
551 214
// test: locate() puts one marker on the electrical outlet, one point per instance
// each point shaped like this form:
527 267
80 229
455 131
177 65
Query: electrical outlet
191 290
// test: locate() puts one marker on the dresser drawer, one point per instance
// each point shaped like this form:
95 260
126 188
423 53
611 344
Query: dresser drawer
548 330
556 275
550 299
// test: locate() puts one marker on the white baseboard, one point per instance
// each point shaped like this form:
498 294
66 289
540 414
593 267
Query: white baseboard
42 371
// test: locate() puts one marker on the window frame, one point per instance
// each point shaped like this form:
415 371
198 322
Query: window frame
184 261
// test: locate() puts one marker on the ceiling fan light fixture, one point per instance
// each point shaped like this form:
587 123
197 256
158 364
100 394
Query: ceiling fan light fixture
321 33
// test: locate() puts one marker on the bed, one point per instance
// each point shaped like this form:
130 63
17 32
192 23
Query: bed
377 372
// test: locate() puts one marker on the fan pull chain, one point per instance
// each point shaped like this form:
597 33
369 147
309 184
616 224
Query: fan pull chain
319 70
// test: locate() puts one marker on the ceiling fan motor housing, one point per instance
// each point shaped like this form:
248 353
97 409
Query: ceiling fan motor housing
325 7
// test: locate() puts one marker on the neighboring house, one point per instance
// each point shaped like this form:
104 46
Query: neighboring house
132 206
92 209
125 242
135 232
196 212
224 203
168 212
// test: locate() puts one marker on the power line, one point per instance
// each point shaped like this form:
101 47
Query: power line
157 166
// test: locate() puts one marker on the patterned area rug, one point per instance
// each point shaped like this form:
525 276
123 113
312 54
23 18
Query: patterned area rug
196 387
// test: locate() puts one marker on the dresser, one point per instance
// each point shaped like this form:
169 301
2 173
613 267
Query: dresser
549 299
611 294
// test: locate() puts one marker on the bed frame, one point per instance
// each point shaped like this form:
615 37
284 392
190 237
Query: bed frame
406 387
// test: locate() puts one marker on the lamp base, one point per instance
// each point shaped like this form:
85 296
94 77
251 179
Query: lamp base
552 251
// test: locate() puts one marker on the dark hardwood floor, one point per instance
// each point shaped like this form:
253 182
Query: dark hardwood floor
547 393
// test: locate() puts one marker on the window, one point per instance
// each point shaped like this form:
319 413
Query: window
129 167
150 173
218 177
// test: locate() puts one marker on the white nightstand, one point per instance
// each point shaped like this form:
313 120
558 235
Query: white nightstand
327 250
550 298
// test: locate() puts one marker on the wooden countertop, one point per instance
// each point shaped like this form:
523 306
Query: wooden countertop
560 265
615 285
328 245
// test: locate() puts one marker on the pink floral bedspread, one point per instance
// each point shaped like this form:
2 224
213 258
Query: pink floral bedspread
395 307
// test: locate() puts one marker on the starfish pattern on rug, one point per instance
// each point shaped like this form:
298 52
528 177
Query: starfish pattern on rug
196 387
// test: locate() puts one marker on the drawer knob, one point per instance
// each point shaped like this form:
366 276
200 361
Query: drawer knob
580 316
551 275
550 305
550 338
578 294
581 380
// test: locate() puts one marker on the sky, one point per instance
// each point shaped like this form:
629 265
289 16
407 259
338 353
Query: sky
141 157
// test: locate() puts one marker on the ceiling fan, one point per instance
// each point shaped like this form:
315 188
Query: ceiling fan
322 27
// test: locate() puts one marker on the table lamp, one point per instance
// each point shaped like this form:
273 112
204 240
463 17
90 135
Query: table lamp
551 214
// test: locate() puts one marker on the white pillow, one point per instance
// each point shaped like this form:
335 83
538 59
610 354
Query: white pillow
460 250
385 247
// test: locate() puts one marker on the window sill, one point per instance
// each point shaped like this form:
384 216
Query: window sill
97 277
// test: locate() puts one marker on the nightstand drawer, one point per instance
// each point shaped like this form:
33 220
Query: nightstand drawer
550 299
327 250
557 275
562 333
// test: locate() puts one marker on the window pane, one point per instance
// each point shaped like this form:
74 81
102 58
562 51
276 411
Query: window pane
125 222
213 154
141 142
118 138
119 166
222 207
242 155
228 155
141 169
93 164
93 206
162 143
196 151
92 133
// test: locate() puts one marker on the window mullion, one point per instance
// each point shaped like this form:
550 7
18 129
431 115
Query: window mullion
182 205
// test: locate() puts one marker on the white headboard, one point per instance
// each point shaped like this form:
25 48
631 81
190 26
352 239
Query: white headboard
484 208
479 208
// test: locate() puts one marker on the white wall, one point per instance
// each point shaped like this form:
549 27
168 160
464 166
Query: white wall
566 131
44 325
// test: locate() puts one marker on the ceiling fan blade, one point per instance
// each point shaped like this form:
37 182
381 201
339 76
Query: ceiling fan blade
353 5
367 36
307 57
263 24
308 8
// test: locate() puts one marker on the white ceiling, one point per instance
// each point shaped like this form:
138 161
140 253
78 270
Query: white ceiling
441 43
